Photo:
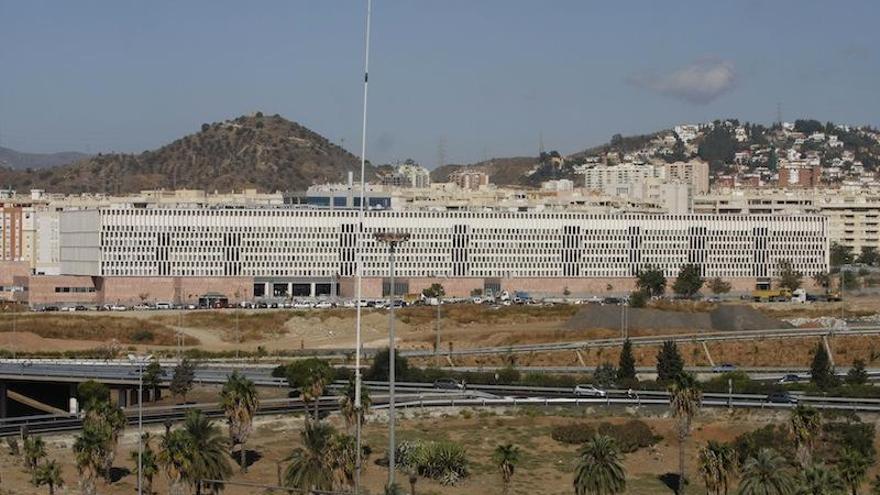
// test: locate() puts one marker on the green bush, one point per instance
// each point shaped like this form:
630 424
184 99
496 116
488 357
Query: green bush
630 436
838 436
142 336
573 434
774 437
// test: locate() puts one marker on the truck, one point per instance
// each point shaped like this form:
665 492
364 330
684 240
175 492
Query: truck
771 295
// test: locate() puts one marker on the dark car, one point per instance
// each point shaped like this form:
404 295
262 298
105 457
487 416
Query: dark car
790 378
724 368
781 397
448 384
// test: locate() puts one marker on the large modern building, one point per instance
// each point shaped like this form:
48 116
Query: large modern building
129 253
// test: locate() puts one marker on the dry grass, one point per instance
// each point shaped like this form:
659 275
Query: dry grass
252 326
683 306
98 328
466 314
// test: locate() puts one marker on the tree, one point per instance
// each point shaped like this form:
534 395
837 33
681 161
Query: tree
652 281
49 474
348 407
91 392
689 281
849 280
821 371
626 365
240 403
107 422
788 277
718 146
638 299
150 462
718 464
805 425
766 474
89 451
605 375
684 399
853 467
869 256
378 371
669 362
34 449
206 452
857 374
174 457
307 469
875 485
342 455
506 458
718 286
310 377
182 378
599 469
822 279
153 377
840 255
435 290
817 480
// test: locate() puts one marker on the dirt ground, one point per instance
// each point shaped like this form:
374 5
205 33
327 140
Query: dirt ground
461 326
546 467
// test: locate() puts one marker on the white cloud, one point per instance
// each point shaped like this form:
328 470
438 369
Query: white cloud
698 83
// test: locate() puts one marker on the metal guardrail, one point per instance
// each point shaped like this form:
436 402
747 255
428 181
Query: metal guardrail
782 333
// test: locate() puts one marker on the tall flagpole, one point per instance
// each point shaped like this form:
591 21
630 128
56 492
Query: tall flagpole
359 254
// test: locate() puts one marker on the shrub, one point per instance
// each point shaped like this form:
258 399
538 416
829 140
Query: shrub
630 436
838 436
573 434
444 462
774 437
142 336
508 375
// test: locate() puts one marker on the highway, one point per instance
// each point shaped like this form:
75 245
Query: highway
781 333
421 395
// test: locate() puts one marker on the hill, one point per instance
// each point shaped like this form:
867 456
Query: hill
20 160
511 171
268 153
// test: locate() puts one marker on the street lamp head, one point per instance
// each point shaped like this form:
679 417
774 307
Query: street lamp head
391 237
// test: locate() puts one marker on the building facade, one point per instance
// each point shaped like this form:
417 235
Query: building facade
272 252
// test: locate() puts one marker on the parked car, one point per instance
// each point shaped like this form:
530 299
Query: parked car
163 305
323 305
588 390
781 397
118 307
724 368
302 305
448 384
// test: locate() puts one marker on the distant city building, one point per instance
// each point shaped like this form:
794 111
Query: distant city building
408 174
469 179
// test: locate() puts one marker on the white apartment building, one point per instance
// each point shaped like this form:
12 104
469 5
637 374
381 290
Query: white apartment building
853 216
536 251
618 180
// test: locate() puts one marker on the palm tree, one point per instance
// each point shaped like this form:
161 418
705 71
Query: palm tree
817 480
853 467
90 454
506 457
34 451
49 474
240 403
805 424
600 468
110 421
717 466
684 398
174 457
207 452
348 408
766 474
308 468
149 461
342 457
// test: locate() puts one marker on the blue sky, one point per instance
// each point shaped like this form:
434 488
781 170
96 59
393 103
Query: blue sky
485 77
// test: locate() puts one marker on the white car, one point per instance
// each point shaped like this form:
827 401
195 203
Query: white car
587 390
323 305
118 307
302 305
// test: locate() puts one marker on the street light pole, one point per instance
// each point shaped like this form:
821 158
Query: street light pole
393 239
140 360
437 332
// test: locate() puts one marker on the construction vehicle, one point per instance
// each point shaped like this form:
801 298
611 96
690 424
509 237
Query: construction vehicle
771 295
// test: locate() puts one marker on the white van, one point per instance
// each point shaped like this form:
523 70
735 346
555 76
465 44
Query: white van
163 305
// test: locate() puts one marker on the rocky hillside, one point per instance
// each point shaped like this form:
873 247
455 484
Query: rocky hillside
512 171
10 158
269 153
